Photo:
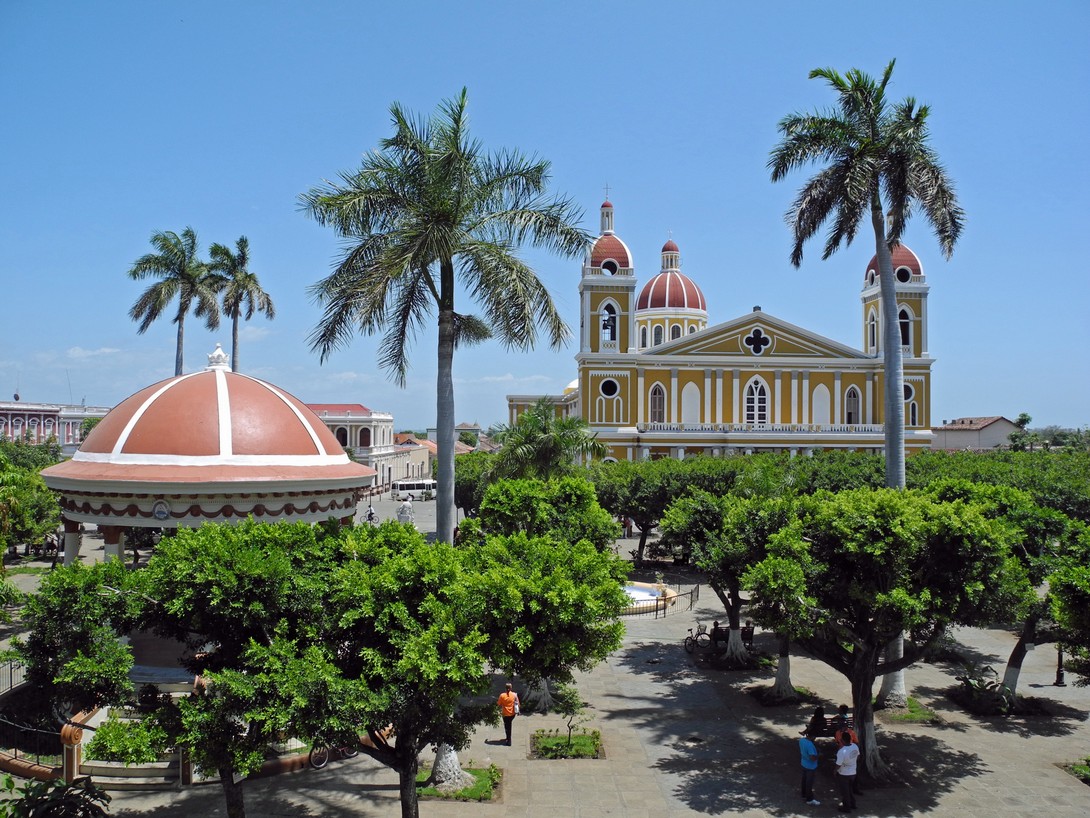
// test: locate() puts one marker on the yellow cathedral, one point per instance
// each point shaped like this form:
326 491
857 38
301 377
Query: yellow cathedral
656 380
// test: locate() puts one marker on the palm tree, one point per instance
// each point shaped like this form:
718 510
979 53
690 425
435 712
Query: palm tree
183 275
242 292
541 444
879 163
425 212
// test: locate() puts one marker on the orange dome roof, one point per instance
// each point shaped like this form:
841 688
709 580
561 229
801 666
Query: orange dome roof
610 247
902 257
671 290
213 426
670 247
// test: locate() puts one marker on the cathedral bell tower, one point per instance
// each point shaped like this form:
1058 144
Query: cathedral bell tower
606 293
912 290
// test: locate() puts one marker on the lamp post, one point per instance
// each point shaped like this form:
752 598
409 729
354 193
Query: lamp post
1059 667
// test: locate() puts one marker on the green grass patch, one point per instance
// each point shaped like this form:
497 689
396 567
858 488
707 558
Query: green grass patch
1080 769
555 744
483 788
912 713
26 569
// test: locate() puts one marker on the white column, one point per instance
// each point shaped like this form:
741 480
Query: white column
707 396
639 396
868 406
719 396
675 417
777 402
734 376
836 398
794 396
805 397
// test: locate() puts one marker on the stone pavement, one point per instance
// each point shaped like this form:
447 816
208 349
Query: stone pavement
684 740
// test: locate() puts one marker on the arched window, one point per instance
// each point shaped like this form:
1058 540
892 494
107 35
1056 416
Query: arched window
905 321
872 332
851 406
675 332
609 323
658 335
757 402
342 435
643 337
692 329
913 414
657 404
365 437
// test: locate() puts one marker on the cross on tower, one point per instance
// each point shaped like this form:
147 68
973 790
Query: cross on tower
607 191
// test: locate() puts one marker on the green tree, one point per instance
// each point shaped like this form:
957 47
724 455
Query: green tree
86 426
1070 598
242 292
880 163
28 510
871 565
53 799
426 212
182 276
470 480
30 456
566 509
544 444
1042 539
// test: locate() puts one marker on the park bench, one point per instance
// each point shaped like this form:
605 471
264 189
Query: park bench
720 635
832 724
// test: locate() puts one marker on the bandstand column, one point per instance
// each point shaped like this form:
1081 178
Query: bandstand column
114 541
72 541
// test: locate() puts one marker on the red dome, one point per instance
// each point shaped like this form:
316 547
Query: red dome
670 247
610 247
671 290
213 426
902 257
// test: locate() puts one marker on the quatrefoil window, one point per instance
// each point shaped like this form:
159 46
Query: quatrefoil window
757 341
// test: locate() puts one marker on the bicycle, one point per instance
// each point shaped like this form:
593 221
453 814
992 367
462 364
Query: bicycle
319 754
700 639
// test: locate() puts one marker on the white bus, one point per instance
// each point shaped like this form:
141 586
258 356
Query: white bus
418 488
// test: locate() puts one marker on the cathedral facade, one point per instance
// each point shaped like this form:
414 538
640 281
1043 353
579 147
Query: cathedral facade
656 379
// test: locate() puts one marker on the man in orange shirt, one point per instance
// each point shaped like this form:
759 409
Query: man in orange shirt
509 708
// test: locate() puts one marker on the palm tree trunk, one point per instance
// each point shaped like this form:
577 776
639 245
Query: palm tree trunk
181 340
444 410
234 342
894 419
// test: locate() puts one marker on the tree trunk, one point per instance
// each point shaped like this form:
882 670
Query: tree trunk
643 544
1026 641
894 420
893 692
232 793
782 689
736 652
447 774
862 679
181 341
234 342
410 801
444 414
540 696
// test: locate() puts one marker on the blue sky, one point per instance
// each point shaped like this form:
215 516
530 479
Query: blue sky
123 118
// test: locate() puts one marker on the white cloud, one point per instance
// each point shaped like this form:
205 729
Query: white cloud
507 377
81 354
253 332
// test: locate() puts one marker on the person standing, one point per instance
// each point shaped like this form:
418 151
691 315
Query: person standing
846 759
809 767
509 708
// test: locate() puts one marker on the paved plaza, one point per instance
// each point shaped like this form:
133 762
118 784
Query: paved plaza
684 740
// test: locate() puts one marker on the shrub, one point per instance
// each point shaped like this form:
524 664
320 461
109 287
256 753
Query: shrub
130 742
